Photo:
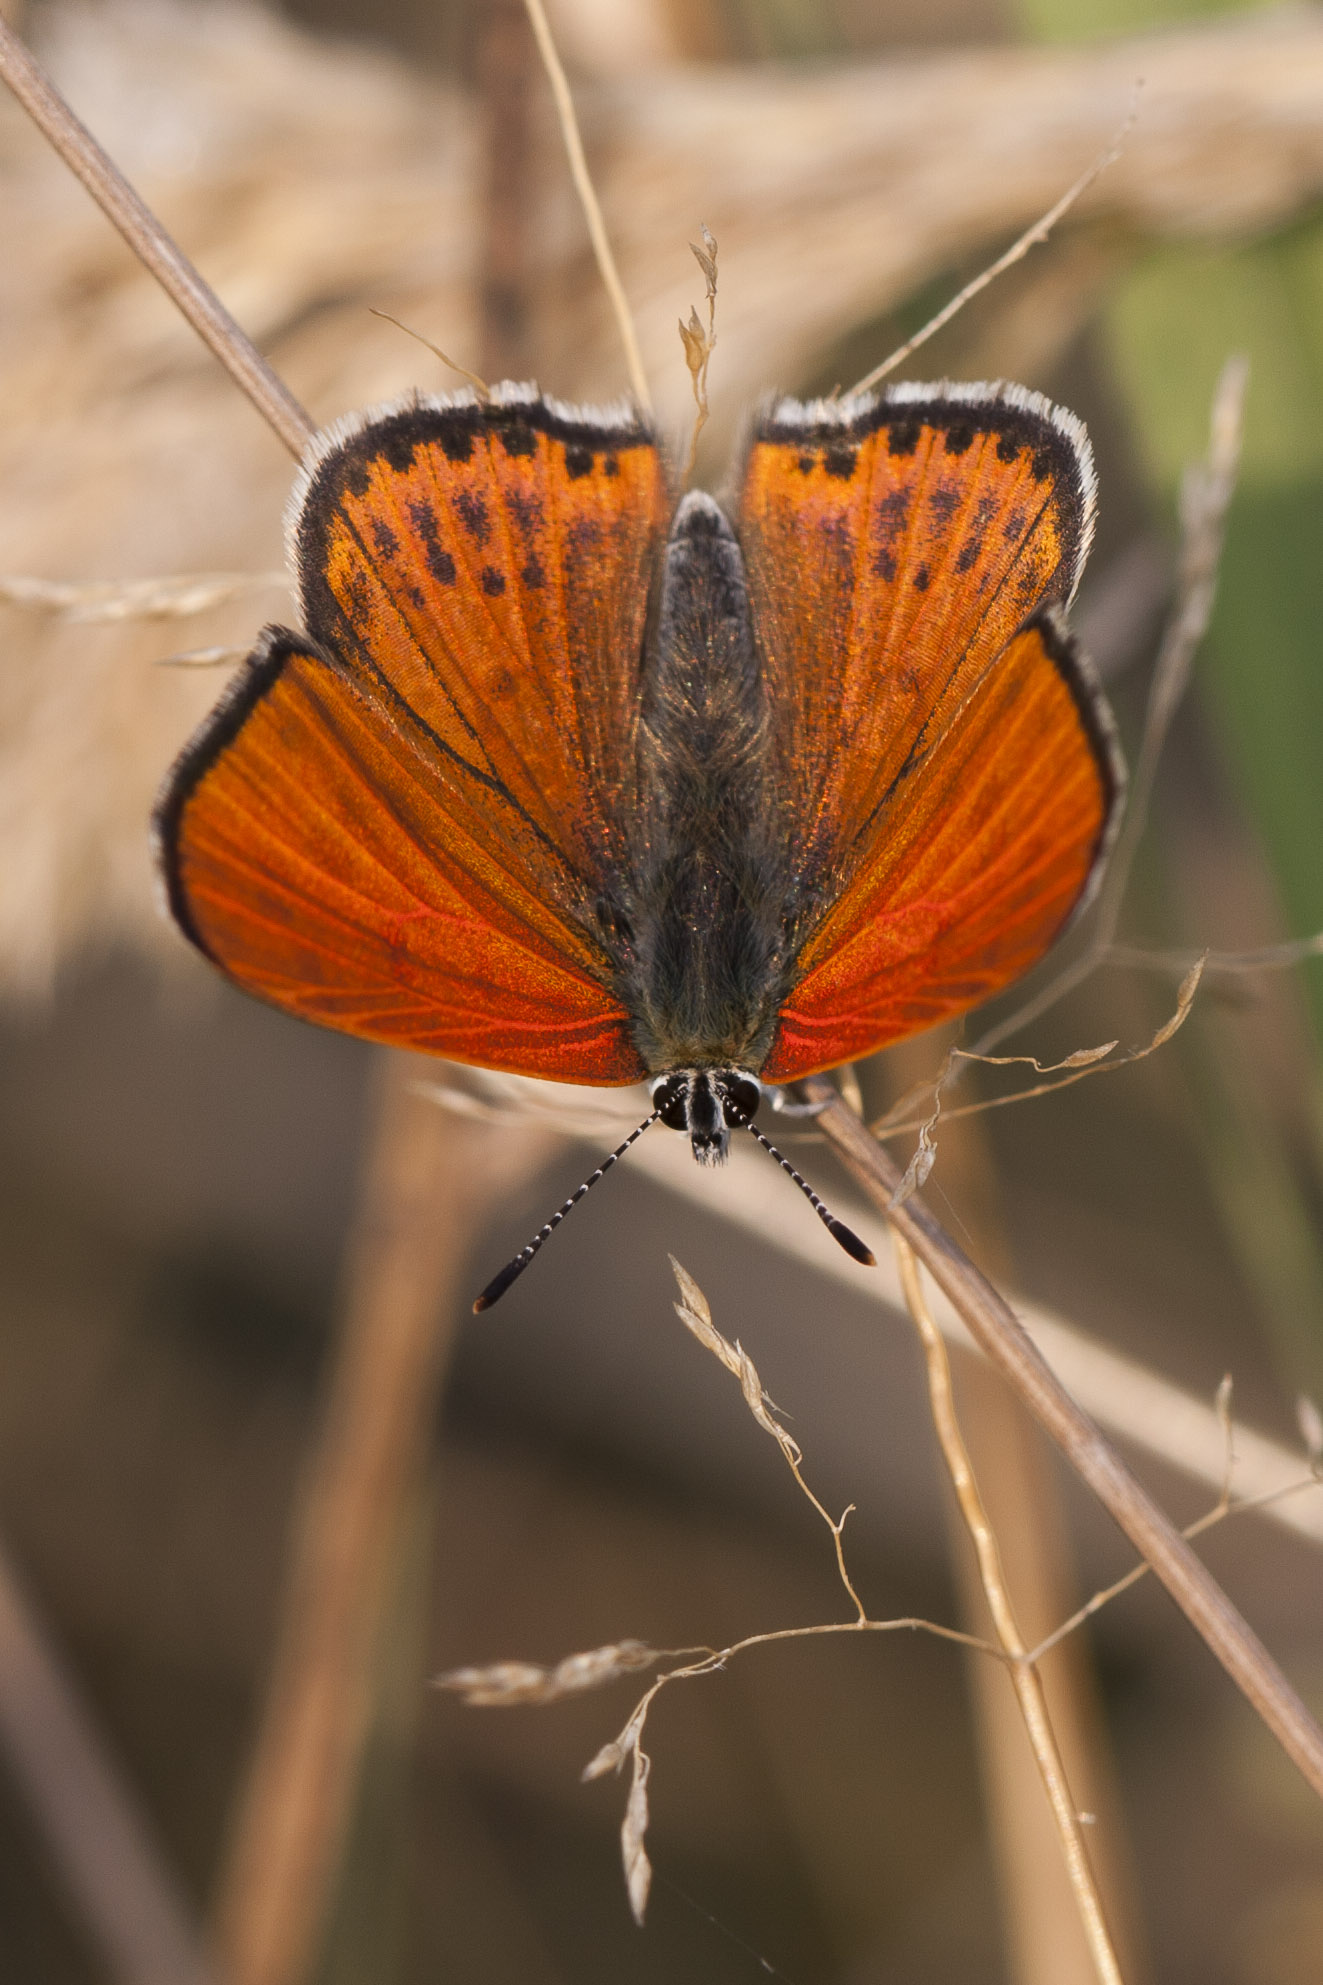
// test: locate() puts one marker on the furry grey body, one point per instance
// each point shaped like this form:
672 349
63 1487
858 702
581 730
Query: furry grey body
706 967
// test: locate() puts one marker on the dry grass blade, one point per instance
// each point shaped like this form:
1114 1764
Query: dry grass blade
1031 238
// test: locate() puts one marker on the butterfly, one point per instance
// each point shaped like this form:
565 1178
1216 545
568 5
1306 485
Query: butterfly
571 779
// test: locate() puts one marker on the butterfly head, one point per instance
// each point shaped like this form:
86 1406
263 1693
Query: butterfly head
707 1103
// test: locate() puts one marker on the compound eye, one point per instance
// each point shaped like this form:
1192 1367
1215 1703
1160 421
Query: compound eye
670 1099
744 1096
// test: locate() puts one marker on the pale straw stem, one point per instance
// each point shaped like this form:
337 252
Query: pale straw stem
151 244
1024 1676
592 212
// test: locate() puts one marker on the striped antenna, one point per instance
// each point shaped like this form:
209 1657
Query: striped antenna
838 1230
498 1285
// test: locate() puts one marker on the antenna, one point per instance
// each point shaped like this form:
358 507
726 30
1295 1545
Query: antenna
838 1230
498 1285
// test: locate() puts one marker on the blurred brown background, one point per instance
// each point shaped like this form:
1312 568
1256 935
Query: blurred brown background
182 1171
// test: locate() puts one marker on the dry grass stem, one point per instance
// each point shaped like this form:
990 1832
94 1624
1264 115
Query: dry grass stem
998 1332
1027 1683
1083 1063
479 385
1311 1429
152 245
592 212
104 600
1206 494
1032 237
1222 1509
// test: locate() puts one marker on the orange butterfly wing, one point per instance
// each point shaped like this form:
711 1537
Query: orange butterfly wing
947 767
402 826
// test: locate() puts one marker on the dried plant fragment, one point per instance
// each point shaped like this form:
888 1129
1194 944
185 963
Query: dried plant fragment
504 1683
1074 1068
699 341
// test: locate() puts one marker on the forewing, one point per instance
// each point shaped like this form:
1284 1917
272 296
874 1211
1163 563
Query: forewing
407 825
945 765
893 547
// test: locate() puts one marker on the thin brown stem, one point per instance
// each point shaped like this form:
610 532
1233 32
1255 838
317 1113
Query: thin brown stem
1221 1510
592 212
151 244
1024 1676
1031 238
1001 1336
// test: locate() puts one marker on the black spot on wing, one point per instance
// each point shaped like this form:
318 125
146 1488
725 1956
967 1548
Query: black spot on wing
384 538
526 511
533 576
891 514
943 504
840 461
439 562
471 510
578 463
493 582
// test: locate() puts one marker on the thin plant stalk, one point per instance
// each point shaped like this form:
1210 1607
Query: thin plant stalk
999 1333
1031 238
149 241
1024 1676
592 211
